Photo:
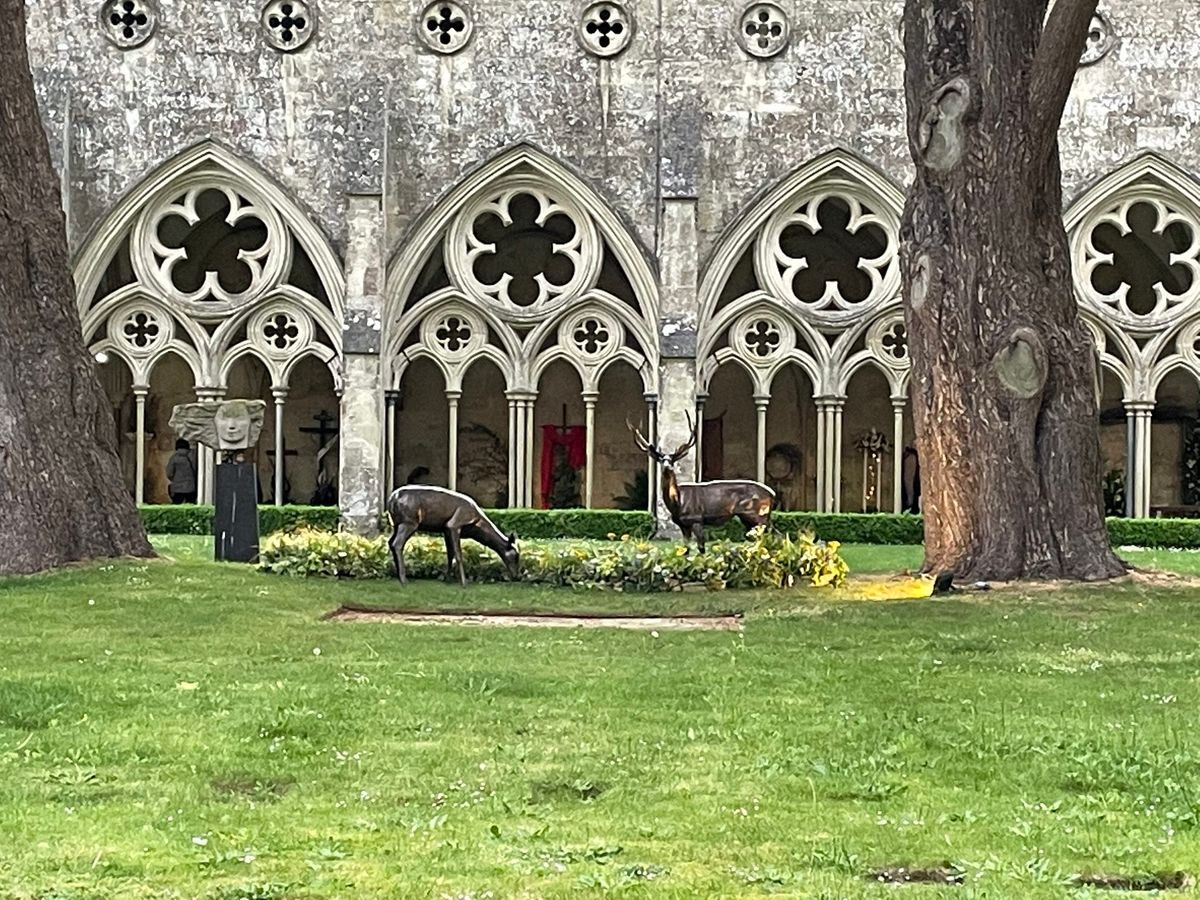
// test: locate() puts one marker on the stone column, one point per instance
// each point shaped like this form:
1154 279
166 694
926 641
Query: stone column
589 408
822 455
391 398
653 485
761 403
701 399
1132 484
452 398
206 458
514 439
280 396
898 405
360 486
140 393
838 405
530 403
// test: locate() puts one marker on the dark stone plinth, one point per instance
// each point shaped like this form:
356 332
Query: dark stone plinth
235 514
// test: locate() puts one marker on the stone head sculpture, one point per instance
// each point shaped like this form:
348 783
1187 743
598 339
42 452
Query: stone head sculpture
220 424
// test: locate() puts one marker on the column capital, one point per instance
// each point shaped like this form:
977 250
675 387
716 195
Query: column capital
590 397
391 395
279 393
454 396
899 402
651 398
762 401
830 401
141 391
518 396
1138 406
210 393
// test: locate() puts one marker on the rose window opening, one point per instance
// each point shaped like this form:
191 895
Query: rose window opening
128 23
445 27
763 338
592 337
287 24
523 258
763 30
141 330
281 331
454 334
605 29
895 342
1145 259
211 240
832 250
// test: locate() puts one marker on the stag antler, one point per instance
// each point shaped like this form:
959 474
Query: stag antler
687 445
644 445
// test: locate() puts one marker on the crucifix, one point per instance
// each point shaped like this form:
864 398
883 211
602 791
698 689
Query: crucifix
287 486
323 430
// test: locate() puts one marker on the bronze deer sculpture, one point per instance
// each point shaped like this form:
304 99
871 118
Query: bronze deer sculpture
693 505
416 508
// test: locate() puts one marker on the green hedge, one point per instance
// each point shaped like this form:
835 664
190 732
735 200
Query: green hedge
186 519
597 524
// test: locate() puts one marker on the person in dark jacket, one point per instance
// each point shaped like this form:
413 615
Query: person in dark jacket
181 473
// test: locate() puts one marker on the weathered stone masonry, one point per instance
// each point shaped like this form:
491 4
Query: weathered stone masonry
722 190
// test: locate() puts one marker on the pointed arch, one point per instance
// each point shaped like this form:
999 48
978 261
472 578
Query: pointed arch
836 166
208 157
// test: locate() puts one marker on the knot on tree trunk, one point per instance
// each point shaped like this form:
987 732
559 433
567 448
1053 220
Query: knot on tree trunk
1021 364
942 133
922 281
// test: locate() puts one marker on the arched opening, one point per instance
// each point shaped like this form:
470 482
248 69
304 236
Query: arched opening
421 438
483 435
171 383
1114 442
559 438
311 426
868 443
621 476
729 441
791 458
1174 442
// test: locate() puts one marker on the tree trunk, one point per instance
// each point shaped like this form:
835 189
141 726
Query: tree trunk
1004 371
61 491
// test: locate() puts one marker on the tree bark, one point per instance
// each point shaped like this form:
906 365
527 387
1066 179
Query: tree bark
61 493
1004 371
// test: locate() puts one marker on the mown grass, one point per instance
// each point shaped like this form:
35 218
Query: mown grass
185 729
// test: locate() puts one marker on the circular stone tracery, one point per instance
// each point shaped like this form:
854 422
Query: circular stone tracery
887 340
288 24
128 23
761 338
455 333
446 27
763 30
605 29
523 251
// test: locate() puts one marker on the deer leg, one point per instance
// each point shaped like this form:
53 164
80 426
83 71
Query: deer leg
453 538
698 534
449 556
399 538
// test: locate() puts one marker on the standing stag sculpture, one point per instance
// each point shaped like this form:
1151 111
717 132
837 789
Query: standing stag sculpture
456 516
693 504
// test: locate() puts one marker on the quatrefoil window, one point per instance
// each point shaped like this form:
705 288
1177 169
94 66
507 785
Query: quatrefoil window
525 252
605 29
895 341
763 338
446 26
141 330
287 24
1148 254
453 334
592 336
827 244
128 23
215 239
281 331
763 30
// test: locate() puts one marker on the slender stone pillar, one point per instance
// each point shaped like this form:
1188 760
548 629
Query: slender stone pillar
140 393
530 443
280 396
391 398
822 456
653 483
589 408
700 401
761 403
514 440
898 405
452 398
360 487
206 458
838 406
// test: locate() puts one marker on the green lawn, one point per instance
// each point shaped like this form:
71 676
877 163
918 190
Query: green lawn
184 729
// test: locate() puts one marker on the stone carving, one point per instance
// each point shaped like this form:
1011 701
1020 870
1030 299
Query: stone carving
446 26
605 28
288 24
220 424
128 23
763 30
1100 40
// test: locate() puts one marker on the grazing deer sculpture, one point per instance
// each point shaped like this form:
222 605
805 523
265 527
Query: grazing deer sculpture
693 505
416 508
